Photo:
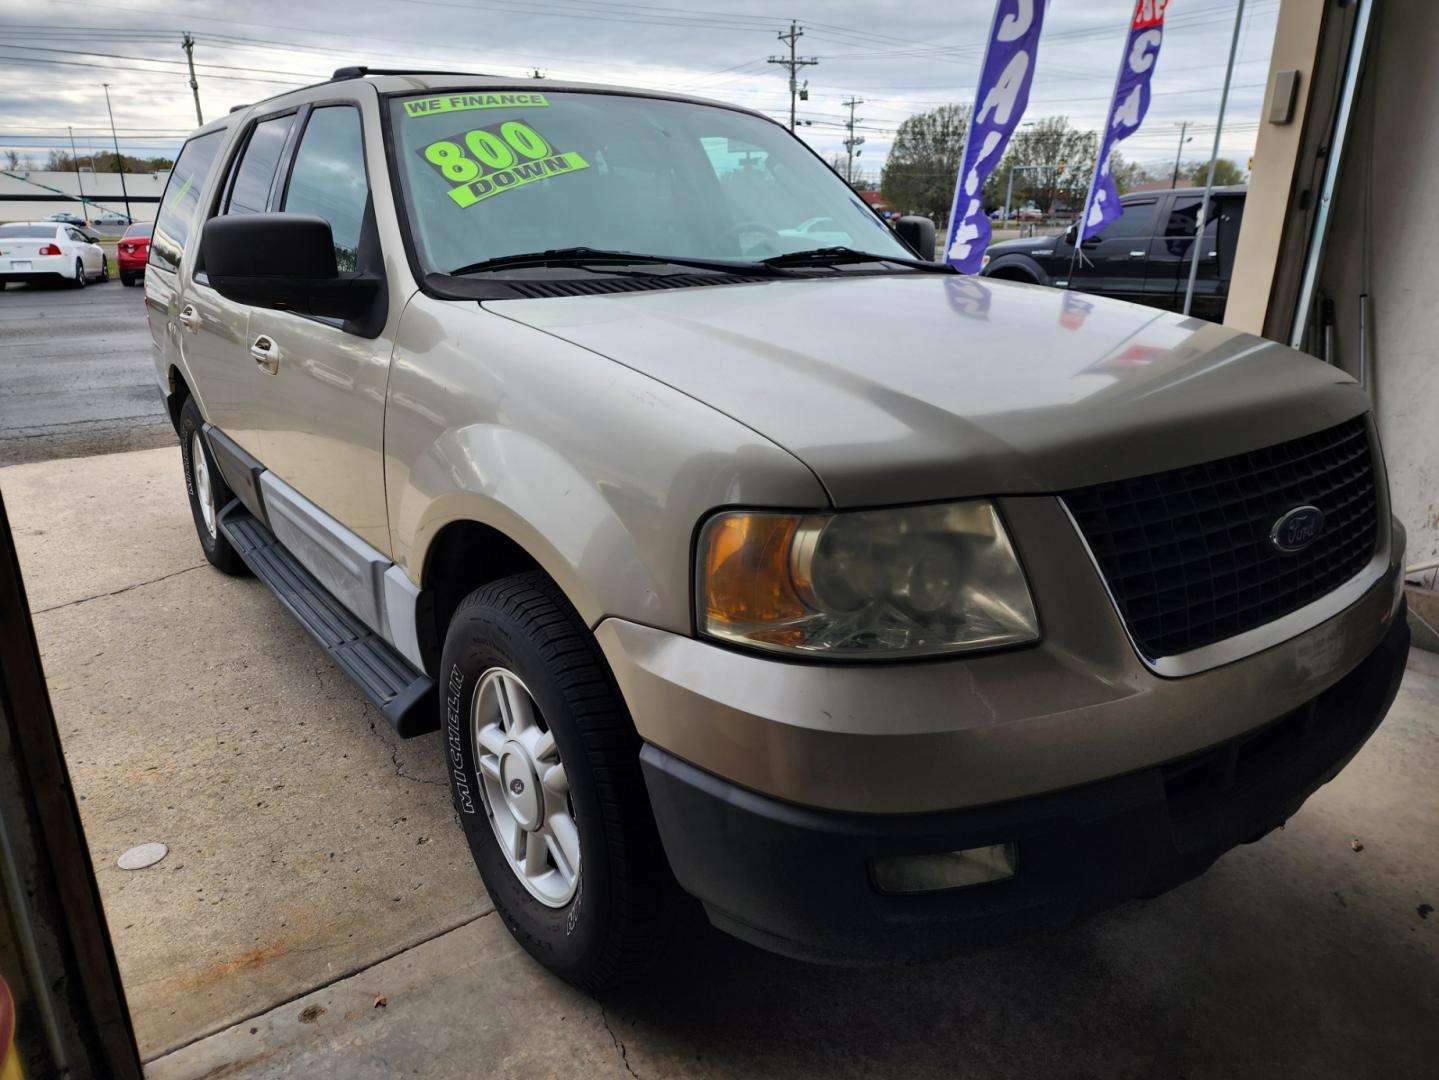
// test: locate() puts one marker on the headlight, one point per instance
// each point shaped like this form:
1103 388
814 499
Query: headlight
873 584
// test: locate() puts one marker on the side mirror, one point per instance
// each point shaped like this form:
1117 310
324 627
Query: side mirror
283 261
918 233
1071 234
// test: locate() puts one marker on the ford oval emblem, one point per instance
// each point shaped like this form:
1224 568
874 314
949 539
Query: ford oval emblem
1297 529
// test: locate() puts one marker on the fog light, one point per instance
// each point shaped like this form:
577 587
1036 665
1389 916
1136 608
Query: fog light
946 870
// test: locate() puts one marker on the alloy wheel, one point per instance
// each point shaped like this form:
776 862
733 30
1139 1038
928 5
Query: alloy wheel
526 792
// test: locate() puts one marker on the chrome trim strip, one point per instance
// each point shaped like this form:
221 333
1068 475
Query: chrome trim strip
401 628
1219 653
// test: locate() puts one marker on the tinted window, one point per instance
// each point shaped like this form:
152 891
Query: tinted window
1184 212
251 190
1135 221
76 236
28 232
182 199
328 178
136 231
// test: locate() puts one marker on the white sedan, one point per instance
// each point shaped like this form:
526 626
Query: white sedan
50 251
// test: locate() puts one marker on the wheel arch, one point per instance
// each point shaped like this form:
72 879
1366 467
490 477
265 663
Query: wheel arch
177 391
1016 268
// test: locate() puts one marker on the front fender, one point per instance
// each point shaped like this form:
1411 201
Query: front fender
600 473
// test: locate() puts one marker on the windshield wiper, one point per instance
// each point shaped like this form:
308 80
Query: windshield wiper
585 257
837 256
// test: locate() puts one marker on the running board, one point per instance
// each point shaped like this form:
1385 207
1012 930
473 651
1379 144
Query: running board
405 697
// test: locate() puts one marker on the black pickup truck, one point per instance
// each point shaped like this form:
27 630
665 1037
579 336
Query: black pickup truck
1142 256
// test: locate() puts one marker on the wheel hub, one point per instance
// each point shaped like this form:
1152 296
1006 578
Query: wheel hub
521 783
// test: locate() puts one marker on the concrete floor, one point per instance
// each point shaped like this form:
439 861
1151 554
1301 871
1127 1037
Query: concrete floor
315 869
76 375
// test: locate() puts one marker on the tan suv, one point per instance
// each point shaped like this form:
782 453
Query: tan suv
884 610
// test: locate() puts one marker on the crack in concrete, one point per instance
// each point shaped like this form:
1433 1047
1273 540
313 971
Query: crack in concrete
117 592
395 761
619 1043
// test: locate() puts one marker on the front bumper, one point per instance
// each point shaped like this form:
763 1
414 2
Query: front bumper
796 880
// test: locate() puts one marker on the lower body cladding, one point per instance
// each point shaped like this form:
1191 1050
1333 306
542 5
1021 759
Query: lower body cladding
874 813
804 882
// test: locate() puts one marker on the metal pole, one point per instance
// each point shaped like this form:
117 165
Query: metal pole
188 44
1174 180
1213 155
1315 252
119 161
1008 194
75 157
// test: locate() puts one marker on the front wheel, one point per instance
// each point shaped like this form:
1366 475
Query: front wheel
544 770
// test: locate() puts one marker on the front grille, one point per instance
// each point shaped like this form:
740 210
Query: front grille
1187 555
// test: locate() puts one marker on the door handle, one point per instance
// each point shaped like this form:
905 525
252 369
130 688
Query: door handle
266 353
189 318
1138 254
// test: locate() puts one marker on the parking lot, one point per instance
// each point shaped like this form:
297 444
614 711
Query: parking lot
318 910
75 373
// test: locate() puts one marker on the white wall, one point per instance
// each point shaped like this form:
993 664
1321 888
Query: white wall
1394 153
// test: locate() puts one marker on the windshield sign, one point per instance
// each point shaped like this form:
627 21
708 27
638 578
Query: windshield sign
488 175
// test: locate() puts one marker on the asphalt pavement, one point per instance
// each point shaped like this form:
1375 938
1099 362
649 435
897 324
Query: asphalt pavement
76 375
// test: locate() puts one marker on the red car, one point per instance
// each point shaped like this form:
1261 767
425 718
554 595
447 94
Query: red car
134 252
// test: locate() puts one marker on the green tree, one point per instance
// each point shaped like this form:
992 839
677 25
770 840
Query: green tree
1128 174
1053 164
919 175
1226 173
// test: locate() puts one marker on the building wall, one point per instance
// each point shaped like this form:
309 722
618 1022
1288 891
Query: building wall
34 195
1387 184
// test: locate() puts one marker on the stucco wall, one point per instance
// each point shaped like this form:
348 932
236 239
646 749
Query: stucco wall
1393 157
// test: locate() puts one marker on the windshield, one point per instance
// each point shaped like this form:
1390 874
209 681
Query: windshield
491 174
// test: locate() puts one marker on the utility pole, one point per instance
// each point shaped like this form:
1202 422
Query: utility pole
854 141
187 42
1174 180
119 161
75 157
794 63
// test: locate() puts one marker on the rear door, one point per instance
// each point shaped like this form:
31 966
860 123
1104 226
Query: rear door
172 247
1114 262
1172 250
92 256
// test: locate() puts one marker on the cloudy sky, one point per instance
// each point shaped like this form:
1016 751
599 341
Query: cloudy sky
900 56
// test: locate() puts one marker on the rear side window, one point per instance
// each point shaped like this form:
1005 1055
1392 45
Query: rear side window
328 178
182 199
1136 220
250 192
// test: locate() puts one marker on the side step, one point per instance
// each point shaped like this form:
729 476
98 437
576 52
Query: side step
405 697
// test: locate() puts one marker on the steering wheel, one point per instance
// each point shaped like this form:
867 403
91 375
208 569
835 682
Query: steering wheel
738 230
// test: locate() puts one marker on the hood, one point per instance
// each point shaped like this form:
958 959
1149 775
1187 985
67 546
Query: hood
1027 245
903 388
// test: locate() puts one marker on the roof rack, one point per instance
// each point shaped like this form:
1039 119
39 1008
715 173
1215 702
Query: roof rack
341 74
